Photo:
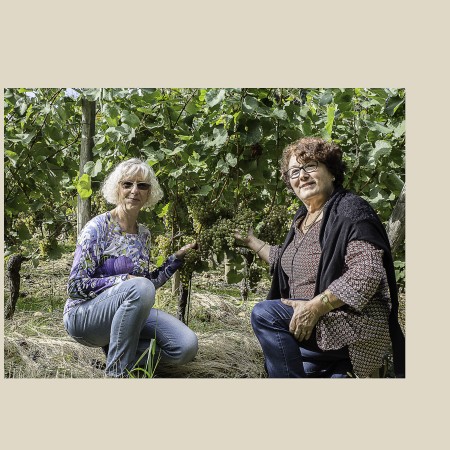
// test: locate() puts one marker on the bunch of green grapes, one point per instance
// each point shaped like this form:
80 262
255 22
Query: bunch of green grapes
192 262
205 214
163 246
255 273
219 236
243 221
275 225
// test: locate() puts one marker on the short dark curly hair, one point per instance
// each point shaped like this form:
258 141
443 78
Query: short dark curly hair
314 149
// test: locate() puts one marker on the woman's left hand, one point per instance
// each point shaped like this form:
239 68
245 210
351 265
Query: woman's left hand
306 314
182 252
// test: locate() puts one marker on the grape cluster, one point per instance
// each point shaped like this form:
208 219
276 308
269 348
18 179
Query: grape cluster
163 246
215 227
205 214
275 225
255 273
192 263
219 237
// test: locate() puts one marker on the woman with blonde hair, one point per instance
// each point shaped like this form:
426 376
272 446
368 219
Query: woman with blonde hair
111 287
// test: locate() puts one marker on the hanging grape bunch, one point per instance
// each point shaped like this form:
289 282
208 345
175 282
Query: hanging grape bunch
255 273
274 225
192 262
162 248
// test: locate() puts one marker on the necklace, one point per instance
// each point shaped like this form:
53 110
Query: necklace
307 227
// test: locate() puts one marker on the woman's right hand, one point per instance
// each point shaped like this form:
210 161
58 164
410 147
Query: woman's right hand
244 239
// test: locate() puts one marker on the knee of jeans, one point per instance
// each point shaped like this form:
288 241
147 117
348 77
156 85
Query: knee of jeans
258 313
145 291
186 350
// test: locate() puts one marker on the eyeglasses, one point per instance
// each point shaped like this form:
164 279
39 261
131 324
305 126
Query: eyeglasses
127 185
294 172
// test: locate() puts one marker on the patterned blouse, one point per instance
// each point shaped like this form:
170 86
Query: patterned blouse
363 323
105 255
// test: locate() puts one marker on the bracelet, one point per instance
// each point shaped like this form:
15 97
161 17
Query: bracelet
326 301
257 252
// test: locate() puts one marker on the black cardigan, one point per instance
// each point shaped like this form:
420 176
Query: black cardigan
347 217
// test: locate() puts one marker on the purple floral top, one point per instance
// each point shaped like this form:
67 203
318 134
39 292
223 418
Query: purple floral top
105 255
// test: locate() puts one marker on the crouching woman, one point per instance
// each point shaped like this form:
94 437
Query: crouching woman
111 288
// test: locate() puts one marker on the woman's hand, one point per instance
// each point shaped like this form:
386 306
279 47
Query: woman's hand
182 252
245 240
306 314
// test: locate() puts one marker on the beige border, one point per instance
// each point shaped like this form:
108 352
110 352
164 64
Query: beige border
237 43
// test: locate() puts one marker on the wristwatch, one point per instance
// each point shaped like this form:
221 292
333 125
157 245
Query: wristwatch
326 301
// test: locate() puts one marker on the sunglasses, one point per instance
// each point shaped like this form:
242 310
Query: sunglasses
127 185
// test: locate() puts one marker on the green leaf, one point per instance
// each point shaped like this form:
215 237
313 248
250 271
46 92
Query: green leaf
392 182
164 211
12 156
214 96
55 133
231 160
204 190
250 104
234 276
130 119
381 148
177 172
326 98
97 168
173 152
330 120
24 233
222 166
92 94
254 132
88 167
392 104
400 130
220 137
280 114
375 126
84 186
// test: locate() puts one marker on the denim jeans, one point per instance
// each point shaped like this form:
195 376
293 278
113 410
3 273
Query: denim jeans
122 321
285 357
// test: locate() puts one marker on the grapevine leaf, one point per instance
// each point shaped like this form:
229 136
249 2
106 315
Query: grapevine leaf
250 104
392 104
381 148
88 167
12 156
280 114
220 137
231 160
97 168
84 186
130 119
326 98
234 276
330 120
214 96
204 190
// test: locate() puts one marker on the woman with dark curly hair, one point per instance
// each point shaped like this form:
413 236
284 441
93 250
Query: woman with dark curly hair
332 307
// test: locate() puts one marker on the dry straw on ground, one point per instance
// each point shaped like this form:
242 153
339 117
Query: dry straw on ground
36 346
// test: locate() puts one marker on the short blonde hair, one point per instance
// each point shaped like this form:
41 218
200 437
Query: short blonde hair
130 168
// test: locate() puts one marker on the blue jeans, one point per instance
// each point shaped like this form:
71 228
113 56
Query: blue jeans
285 357
122 321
